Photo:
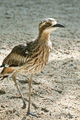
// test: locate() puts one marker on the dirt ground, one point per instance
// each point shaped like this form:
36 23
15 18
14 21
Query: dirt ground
56 90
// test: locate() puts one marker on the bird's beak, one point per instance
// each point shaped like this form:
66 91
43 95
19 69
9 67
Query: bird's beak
58 25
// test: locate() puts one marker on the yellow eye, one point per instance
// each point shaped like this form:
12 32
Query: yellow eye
48 24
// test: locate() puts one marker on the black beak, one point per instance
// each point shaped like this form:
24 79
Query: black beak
58 25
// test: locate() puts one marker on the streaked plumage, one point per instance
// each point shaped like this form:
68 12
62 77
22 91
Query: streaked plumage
31 57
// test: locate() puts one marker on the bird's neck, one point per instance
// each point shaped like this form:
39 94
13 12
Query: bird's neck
44 40
44 37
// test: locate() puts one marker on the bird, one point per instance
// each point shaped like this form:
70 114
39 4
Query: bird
31 57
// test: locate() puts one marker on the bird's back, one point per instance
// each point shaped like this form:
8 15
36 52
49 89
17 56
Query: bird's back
28 58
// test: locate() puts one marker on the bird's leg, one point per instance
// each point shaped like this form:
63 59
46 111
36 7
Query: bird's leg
28 112
14 79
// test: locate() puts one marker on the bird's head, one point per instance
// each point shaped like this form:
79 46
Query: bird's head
48 25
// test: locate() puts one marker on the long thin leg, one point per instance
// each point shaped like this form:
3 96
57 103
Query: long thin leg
14 79
28 112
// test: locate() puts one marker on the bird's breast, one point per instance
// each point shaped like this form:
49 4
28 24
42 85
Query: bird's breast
37 60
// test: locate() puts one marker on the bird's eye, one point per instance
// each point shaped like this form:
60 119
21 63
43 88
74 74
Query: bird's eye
48 24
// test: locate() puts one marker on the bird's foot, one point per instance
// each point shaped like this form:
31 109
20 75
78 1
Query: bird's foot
32 114
24 105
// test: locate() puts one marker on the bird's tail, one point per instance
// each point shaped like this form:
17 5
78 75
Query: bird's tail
6 72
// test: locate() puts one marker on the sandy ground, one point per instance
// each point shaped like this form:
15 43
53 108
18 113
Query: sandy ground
56 90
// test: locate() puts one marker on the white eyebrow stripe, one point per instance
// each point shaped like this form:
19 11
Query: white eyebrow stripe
54 23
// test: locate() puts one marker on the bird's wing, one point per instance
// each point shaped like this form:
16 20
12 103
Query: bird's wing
18 56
